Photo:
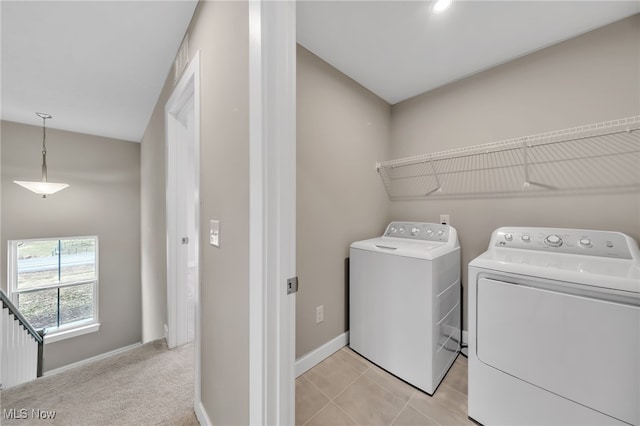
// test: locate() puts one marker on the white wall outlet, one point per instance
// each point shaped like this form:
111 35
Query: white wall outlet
319 314
444 219
214 233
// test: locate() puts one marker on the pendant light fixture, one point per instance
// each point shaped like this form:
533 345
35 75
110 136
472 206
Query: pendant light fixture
43 187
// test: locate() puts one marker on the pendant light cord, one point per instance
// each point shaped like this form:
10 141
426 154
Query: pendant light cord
44 145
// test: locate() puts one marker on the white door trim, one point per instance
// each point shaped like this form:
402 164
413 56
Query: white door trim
272 152
186 90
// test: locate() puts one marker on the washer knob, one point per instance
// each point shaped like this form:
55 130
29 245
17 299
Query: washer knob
526 238
429 231
402 230
508 237
553 240
393 230
414 231
440 233
585 242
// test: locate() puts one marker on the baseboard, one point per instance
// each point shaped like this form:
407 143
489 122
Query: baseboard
315 357
90 360
202 415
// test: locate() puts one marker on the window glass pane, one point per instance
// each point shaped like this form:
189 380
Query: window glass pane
40 308
77 260
37 263
76 303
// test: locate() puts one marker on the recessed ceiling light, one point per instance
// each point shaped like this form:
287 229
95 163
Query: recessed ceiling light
441 6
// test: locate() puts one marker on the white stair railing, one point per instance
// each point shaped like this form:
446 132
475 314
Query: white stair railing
21 347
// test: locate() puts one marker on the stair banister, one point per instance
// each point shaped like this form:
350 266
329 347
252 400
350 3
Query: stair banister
38 335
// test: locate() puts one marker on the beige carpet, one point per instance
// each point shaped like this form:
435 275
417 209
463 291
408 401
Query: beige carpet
148 385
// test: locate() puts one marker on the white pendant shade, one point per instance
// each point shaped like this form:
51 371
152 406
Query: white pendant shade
42 188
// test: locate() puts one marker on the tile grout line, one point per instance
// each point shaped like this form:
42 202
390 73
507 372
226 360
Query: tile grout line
332 399
402 409
319 390
384 388
456 391
388 388
317 412
422 412
323 394
345 389
347 414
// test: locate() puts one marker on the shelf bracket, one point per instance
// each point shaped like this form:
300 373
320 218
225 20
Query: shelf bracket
525 157
435 174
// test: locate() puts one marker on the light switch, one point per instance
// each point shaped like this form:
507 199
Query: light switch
214 233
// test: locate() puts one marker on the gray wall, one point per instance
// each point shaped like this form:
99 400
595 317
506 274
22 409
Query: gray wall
592 78
153 221
103 200
220 30
342 130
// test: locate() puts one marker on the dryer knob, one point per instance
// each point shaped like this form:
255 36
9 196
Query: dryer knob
440 233
585 242
526 238
414 231
508 237
429 231
393 230
553 240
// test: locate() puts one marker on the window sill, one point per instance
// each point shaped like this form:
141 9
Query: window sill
58 335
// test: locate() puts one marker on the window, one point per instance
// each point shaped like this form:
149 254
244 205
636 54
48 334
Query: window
54 284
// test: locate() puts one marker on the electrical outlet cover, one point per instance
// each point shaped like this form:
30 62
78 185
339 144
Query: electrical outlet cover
319 314
214 233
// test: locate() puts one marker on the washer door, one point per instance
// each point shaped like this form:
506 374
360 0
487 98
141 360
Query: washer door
583 349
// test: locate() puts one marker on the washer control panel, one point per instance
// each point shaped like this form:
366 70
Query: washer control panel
418 231
569 241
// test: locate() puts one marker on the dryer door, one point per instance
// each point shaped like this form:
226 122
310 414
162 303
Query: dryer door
576 347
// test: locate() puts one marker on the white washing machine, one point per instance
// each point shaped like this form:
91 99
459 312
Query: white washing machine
554 329
404 301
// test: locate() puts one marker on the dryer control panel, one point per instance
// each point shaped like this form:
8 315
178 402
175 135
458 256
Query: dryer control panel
419 231
570 241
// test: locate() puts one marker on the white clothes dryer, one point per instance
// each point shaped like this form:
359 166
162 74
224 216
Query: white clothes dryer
554 328
404 301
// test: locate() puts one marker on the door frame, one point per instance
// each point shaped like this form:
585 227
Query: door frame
272 219
185 91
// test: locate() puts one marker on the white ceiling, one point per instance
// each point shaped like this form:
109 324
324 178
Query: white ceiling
399 49
98 66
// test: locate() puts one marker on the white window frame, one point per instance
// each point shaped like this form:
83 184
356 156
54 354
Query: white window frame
66 331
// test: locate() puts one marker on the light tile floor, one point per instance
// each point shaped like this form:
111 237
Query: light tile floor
346 389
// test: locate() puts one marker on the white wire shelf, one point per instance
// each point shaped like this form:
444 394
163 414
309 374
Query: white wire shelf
598 157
